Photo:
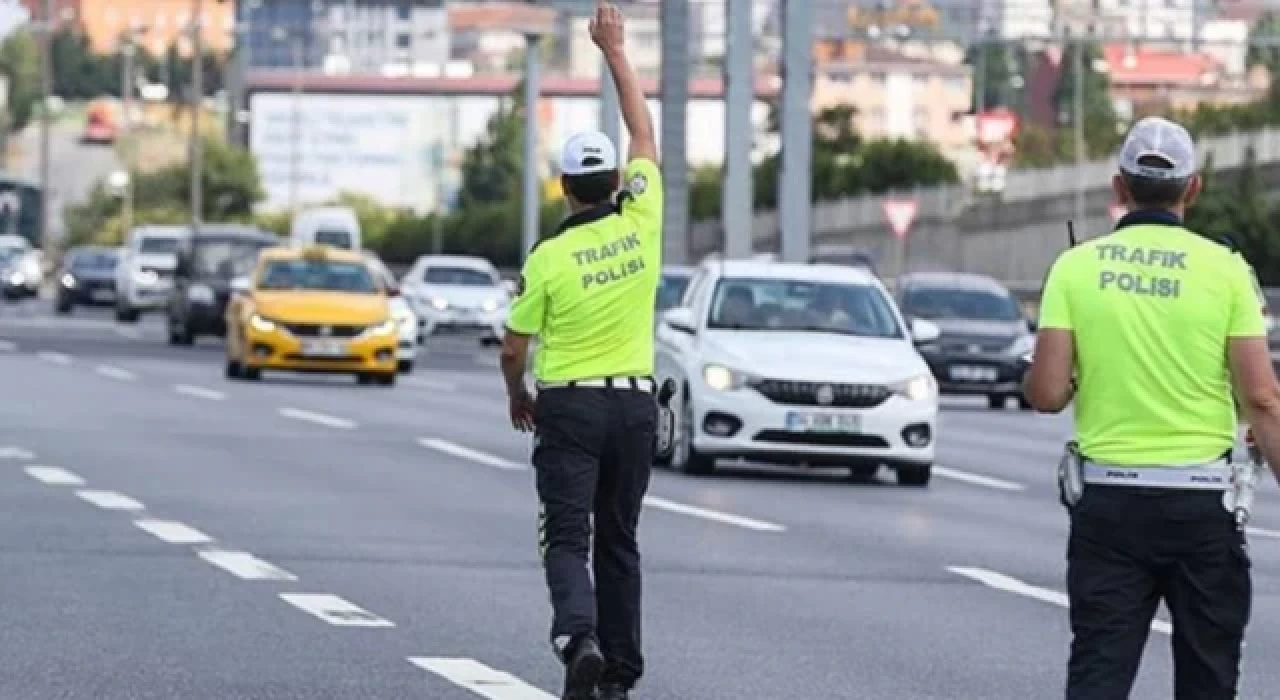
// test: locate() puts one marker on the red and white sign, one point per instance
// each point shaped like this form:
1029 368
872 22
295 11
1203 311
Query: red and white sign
901 213
996 126
1117 211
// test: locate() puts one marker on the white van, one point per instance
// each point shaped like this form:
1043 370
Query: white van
333 226
144 275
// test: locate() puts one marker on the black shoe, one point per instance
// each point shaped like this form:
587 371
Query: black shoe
613 691
582 670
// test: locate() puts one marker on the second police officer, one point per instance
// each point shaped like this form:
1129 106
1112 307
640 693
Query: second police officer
1149 330
587 293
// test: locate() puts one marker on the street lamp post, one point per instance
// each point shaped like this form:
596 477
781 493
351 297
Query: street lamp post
295 130
45 32
197 102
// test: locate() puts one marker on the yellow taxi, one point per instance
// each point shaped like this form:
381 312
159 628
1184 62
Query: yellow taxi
313 309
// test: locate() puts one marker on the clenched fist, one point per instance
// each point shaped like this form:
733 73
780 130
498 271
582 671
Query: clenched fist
607 26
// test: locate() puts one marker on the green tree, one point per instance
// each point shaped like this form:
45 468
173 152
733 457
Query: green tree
491 168
1100 122
1237 206
20 63
1264 43
999 69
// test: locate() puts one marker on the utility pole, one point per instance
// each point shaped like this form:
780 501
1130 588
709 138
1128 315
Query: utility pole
1078 67
531 200
126 100
739 91
197 102
46 90
295 133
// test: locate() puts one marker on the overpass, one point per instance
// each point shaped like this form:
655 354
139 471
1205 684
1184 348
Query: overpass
1013 236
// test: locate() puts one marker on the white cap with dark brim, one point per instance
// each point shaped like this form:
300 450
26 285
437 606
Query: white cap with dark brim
588 153
1156 137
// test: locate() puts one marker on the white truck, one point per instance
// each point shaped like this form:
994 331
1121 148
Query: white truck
144 275
332 226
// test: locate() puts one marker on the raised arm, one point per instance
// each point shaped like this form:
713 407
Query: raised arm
608 32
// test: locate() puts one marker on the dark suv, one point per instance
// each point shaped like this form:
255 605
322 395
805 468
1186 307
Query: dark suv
983 333
87 277
207 263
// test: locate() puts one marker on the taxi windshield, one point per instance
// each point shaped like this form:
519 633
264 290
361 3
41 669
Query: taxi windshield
317 276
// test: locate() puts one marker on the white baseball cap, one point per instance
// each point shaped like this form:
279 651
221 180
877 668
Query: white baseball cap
1159 138
587 153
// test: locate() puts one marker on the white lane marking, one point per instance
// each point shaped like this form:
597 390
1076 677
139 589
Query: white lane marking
123 375
1008 584
457 450
110 500
976 479
127 332
55 476
57 358
714 515
11 452
1263 532
246 566
432 384
480 679
173 532
199 392
317 418
8 346
487 360
334 610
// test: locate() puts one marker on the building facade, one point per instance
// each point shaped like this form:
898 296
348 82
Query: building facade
159 24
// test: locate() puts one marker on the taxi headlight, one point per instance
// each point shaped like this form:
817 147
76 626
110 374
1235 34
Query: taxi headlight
1022 345
261 324
386 327
145 277
722 378
919 388
200 294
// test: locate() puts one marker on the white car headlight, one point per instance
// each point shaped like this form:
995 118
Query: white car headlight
16 278
145 277
438 303
491 305
722 378
1023 345
68 280
918 388
200 294
386 327
262 324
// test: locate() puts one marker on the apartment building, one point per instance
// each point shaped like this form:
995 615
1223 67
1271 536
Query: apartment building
644 43
159 23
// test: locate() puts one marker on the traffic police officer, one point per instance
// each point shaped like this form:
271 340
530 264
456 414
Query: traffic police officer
1155 322
587 293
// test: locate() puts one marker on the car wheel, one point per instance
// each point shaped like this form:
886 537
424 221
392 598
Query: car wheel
996 402
685 457
388 379
250 373
1023 403
234 370
179 335
915 474
404 366
63 307
364 379
125 314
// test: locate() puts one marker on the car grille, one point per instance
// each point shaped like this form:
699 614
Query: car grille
162 273
974 345
807 393
317 330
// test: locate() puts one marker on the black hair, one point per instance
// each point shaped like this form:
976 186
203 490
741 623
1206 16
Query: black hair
593 188
1155 193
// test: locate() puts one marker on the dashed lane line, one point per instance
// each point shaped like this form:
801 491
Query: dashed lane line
127 332
54 476
713 515
456 450
116 373
246 566
110 500
977 479
1008 584
335 610
431 384
172 532
199 392
480 679
1263 532
57 358
8 346
317 418
487 361
11 452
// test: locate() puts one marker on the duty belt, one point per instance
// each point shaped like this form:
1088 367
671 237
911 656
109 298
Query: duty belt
1211 476
645 384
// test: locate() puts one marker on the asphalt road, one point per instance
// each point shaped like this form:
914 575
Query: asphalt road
73 167
168 534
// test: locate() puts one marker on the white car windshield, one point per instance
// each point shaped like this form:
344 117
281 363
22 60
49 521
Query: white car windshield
967 304
458 276
802 305
158 245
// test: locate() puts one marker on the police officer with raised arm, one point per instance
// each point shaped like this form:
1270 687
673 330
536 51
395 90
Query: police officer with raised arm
587 293
1148 329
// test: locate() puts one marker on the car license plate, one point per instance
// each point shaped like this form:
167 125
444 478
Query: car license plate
102 295
964 373
824 422
324 348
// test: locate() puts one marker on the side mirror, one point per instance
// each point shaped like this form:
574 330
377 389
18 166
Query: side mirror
923 331
240 285
510 287
680 319
1032 325
393 291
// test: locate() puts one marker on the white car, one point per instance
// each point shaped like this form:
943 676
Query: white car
144 275
804 365
410 327
458 293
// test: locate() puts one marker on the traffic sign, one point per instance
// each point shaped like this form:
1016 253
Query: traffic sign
901 213
1117 211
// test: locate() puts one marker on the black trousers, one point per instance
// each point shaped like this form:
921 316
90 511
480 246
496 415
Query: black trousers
593 449
1129 549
